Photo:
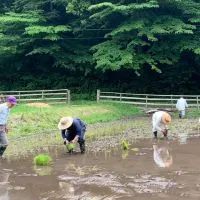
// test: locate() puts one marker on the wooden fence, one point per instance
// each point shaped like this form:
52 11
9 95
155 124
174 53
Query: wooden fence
148 100
50 96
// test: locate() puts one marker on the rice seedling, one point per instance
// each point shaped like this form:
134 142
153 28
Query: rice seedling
124 145
42 160
70 147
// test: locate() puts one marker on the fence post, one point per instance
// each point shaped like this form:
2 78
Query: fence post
98 95
146 102
172 101
19 96
68 96
120 97
198 102
42 94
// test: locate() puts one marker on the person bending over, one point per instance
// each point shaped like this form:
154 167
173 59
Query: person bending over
73 130
160 119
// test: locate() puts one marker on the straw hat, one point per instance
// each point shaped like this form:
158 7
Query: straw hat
65 122
166 118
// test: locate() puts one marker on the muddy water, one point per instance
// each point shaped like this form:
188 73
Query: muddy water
108 175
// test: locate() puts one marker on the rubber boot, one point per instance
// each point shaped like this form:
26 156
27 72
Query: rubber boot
82 145
155 135
180 116
2 149
165 135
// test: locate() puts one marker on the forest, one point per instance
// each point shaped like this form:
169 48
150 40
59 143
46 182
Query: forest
138 46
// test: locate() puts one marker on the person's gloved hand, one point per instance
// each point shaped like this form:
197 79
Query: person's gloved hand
165 131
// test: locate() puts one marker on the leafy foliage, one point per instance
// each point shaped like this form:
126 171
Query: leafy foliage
91 37
143 35
77 7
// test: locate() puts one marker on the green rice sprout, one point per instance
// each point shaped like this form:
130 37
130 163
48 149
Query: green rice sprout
125 145
70 147
42 160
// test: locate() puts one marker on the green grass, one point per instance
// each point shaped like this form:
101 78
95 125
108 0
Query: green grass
194 112
190 113
25 120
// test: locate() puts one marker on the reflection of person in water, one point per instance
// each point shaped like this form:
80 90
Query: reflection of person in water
4 186
162 157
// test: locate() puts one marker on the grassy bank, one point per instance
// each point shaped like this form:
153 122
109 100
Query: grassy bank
26 120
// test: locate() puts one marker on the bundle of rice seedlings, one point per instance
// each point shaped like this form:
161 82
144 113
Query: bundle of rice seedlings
125 145
42 160
70 147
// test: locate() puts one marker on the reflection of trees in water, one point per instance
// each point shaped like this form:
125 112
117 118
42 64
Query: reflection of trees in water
161 156
4 186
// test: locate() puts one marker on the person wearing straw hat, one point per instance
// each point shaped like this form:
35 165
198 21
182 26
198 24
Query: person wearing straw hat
160 119
73 130
4 114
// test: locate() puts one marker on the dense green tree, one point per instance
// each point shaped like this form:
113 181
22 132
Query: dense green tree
141 42
149 33
38 28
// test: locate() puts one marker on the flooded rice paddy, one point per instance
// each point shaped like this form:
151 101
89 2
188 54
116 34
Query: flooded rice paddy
165 169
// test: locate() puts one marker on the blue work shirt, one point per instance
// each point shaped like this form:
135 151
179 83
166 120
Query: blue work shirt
4 113
77 128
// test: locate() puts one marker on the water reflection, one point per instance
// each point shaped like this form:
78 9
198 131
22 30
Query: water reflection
43 170
66 189
4 186
161 156
125 154
183 139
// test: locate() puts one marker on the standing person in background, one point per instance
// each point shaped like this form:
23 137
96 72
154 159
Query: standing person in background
4 114
160 119
181 105
73 130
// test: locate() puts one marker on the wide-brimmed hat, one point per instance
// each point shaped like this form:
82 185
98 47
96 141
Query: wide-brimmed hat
65 122
166 118
12 100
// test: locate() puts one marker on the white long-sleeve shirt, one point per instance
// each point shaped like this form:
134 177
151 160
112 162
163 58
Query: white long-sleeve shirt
181 104
157 121
4 113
